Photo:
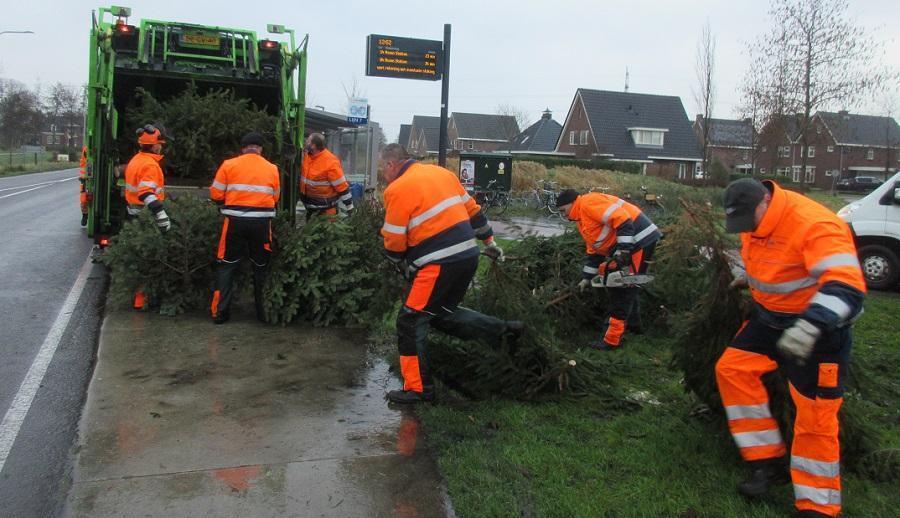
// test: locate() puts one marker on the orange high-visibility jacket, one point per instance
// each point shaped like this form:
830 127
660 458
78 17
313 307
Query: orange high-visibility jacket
248 186
144 181
430 218
607 223
322 181
801 260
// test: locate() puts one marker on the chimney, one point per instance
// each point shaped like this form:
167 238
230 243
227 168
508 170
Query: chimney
547 114
844 115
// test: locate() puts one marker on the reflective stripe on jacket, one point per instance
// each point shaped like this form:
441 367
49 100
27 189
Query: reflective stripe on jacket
144 181
248 186
430 218
322 181
801 260
607 223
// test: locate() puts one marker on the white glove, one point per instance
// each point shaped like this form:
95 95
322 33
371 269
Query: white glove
584 284
162 221
740 278
798 340
494 252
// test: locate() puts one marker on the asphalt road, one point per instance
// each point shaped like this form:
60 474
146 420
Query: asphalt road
43 251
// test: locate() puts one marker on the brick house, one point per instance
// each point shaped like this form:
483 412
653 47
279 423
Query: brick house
481 131
652 130
840 145
62 138
731 142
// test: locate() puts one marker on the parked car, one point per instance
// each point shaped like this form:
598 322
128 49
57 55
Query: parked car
858 183
875 221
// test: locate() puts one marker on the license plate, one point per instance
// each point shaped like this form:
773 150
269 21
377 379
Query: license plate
200 39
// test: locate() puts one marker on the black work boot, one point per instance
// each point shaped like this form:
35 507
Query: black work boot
809 513
221 318
410 397
84 218
603 345
764 475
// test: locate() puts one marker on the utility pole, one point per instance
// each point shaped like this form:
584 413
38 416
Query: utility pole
445 96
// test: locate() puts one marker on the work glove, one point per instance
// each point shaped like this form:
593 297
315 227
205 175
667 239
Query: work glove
798 340
494 252
740 278
622 259
404 269
584 284
162 221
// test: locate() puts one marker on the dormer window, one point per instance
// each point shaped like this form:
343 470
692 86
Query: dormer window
654 137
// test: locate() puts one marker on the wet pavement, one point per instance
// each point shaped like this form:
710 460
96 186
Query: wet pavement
519 226
185 418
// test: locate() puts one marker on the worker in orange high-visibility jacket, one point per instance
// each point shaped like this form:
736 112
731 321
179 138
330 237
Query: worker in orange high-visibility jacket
323 188
145 184
807 288
82 190
430 230
247 188
617 236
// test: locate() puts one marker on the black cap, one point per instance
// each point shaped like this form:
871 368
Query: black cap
252 139
566 197
741 199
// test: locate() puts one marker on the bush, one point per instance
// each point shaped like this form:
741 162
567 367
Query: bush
175 269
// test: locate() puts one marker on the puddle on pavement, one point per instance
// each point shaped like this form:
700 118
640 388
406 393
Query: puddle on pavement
249 420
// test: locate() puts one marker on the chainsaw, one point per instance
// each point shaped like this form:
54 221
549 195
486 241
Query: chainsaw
624 278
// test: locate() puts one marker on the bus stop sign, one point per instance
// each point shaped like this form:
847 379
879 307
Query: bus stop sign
403 58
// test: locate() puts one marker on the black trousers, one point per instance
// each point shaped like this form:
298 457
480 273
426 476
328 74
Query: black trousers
624 303
433 301
241 237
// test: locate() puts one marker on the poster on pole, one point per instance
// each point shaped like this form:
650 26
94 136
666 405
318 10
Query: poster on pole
403 58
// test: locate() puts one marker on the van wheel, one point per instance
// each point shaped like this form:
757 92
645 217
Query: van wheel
880 266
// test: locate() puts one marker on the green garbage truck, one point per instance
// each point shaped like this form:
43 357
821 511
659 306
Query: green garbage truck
164 58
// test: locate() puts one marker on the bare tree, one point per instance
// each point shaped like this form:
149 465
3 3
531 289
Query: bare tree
888 105
20 116
352 91
705 90
520 115
814 57
750 110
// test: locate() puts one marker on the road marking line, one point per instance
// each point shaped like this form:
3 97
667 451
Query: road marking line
22 192
14 417
42 184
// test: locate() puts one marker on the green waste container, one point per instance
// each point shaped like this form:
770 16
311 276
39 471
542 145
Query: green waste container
477 170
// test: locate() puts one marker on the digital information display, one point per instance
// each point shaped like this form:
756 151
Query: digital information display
403 58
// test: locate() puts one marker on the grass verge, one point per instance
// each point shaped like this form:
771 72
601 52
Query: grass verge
18 170
576 458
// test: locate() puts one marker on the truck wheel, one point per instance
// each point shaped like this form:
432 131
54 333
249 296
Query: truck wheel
880 266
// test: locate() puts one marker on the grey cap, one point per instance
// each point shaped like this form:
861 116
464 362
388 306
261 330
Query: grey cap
741 199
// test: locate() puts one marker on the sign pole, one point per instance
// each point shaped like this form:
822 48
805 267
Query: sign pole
445 94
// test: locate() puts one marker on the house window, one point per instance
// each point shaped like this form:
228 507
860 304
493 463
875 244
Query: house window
746 155
471 145
784 151
831 149
762 170
765 149
819 130
810 174
811 152
584 137
870 155
571 138
682 171
643 137
795 174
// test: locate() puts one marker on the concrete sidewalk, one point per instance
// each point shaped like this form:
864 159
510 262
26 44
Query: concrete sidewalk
184 418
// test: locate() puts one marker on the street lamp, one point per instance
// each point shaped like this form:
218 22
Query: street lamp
16 32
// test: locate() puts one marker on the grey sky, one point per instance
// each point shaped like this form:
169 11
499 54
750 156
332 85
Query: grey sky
526 53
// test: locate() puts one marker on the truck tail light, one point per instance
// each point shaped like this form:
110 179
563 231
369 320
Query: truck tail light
269 45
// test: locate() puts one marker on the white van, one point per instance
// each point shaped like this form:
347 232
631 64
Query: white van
875 221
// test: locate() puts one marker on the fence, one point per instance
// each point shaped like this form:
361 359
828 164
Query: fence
9 159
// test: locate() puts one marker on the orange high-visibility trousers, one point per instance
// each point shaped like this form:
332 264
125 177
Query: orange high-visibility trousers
816 389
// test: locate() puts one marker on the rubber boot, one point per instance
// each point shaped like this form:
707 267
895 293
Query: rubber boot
411 397
763 475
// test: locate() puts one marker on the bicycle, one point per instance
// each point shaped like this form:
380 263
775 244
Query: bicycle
493 200
371 199
543 197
